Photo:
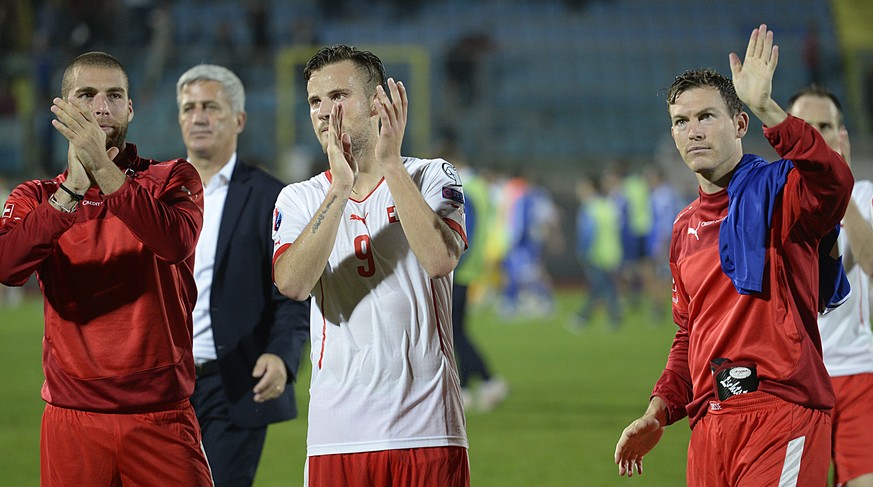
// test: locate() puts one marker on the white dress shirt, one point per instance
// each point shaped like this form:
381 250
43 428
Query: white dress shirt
214 196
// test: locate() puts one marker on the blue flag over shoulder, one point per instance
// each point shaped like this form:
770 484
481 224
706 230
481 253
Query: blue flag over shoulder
752 192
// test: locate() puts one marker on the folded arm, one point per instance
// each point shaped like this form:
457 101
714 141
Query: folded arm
169 223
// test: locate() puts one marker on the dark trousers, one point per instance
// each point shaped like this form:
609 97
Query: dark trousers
470 362
233 452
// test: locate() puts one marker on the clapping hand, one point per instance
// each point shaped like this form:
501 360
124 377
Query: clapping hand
392 117
343 166
87 140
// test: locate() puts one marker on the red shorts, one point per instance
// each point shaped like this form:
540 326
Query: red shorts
423 467
79 448
758 439
853 426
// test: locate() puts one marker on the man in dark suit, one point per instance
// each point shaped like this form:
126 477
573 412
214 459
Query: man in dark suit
247 337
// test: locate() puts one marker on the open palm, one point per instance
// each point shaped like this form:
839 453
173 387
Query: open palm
753 77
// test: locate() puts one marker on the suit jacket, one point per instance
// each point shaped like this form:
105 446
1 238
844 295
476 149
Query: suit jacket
249 315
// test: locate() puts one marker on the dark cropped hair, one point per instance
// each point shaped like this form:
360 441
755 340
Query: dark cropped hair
821 92
700 78
95 59
365 60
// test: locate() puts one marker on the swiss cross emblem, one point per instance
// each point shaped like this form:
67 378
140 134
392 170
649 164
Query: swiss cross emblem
392 215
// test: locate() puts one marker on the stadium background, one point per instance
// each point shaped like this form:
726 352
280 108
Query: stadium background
552 89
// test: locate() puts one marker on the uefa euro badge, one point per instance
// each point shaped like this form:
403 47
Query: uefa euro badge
452 173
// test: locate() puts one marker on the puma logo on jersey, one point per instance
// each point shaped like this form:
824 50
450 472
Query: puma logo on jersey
693 231
362 219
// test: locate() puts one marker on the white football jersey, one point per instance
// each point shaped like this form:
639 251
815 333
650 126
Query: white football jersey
384 375
847 341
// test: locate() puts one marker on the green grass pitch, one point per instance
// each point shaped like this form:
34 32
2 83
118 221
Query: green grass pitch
571 395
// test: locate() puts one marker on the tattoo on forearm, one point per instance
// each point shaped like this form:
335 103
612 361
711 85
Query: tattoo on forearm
320 217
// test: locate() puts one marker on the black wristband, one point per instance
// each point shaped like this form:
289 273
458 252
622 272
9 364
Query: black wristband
77 197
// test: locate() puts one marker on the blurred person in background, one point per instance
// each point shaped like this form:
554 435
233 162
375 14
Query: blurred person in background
478 212
532 226
846 337
598 248
111 240
636 221
248 337
745 365
630 195
665 204
374 241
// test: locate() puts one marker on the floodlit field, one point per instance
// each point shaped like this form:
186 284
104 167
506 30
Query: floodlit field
572 394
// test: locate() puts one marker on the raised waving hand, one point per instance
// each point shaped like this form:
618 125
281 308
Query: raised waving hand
753 77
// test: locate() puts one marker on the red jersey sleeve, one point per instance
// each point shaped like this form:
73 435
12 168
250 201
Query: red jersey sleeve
167 221
822 181
29 230
674 386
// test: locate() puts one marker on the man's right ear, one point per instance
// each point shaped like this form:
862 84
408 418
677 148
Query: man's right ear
373 100
742 121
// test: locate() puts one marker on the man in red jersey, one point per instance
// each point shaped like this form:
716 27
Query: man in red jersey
111 240
746 364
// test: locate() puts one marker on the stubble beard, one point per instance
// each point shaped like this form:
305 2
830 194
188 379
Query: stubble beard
117 138
361 145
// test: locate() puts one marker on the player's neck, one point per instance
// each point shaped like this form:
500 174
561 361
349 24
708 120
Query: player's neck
366 182
369 171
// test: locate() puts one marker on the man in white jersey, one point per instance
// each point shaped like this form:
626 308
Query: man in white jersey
374 241
847 340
